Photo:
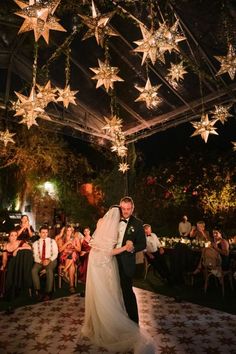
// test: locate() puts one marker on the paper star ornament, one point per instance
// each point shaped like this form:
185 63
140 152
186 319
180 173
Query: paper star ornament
176 72
38 17
29 108
120 149
149 95
234 145
106 75
6 137
114 124
222 113
46 94
228 63
123 167
204 127
169 37
149 46
98 25
66 96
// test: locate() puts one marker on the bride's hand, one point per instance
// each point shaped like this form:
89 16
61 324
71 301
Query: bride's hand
129 246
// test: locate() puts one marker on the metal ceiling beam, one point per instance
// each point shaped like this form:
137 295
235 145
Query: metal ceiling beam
179 112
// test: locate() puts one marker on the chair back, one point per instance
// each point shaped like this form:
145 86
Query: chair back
211 258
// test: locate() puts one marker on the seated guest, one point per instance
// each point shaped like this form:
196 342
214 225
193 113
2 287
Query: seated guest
69 248
45 256
25 230
84 253
221 245
184 227
199 232
17 260
155 253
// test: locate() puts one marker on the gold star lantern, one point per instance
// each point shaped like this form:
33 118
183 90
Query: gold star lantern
106 75
6 137
149 46
222 113
39 17
204 127
46 94
234 145
98 25
66 96
169 37
176 72
114 125
123 167
149 95
228 63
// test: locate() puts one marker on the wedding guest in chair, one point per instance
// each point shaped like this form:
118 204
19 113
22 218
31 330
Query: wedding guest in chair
69 249
45 256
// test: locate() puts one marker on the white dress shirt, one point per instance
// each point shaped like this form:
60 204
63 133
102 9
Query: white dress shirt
153 244
51 251
121 232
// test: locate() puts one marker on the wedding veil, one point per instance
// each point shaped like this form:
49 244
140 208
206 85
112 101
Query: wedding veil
105 236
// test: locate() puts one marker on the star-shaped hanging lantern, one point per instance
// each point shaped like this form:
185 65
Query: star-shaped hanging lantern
123 167
204 127
114 124
106 75
119 148
98 25
228 63
169 37
149 95
149 46
38 16
6 137
234 145
29 108
222 113
66 96
46 94
176 72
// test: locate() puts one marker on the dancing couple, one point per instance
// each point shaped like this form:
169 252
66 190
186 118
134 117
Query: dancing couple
111 314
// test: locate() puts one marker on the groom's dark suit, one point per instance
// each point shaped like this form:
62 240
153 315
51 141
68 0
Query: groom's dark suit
126 261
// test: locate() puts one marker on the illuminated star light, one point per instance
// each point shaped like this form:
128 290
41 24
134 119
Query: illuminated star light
228 63
39 18
113 125
234 145
123 167
149 46
149 95
98 25
6 137
169 37
66 96
222 113
204 127
106 75
120 149
176 72
29 108
46 94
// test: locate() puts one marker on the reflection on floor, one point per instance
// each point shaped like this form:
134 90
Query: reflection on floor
54 327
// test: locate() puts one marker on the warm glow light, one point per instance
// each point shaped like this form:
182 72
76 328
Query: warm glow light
49 187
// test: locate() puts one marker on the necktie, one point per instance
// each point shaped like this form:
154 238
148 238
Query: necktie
44 250
124 220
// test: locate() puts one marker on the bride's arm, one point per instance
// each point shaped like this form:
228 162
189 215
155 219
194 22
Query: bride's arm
128 247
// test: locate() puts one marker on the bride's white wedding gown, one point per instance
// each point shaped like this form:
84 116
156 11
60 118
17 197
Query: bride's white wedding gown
106 322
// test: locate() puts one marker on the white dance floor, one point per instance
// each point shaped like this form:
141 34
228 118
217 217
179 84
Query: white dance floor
177 328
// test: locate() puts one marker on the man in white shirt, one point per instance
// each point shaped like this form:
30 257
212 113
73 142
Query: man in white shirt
45 256
155 253
184 227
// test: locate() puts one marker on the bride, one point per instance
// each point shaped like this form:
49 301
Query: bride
106 322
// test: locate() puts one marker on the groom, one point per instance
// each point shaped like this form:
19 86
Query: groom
130 228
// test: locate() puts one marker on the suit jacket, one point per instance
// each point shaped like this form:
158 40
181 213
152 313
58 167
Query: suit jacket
135 233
